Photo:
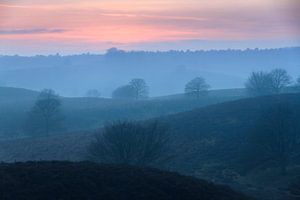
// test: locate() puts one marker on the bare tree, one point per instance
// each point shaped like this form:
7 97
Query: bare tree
259 83
124 92
136 89
45 115
280 80
140 88
277 135
196 87
131 143
265 83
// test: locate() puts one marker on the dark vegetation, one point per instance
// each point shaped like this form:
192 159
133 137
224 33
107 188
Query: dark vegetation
72 181
218 140
276 137
196 88
132 143
267 83
136 89
45 116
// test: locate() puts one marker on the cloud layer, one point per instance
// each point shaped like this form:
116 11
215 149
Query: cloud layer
132 22
30 31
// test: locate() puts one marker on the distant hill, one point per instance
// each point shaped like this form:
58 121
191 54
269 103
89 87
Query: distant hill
77 181
9 93
91 113
165 72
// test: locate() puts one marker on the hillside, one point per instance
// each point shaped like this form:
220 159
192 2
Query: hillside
209 143
90 113
72 181
213 145
221 123
219 132
9 94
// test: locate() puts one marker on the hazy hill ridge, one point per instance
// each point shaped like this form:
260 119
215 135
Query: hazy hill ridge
165 72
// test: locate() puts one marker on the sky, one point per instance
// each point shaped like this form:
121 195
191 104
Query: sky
29 27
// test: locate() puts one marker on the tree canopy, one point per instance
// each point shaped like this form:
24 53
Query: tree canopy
196 87
264 83
45 116
135 89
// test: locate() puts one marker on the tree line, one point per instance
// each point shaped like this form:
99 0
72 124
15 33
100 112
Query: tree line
46 115
275 137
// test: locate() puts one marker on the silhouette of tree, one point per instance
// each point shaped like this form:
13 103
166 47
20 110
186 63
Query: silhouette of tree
280 80
124 92
45 116
136 89
141 90
196 87
265 83
259 83
131 143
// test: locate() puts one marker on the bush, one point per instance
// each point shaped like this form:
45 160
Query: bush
132 143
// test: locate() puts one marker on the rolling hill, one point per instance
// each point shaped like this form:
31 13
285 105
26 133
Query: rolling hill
90 113
209 143
66 180
220 123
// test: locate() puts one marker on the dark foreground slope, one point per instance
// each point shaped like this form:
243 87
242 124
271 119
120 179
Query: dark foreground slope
65 180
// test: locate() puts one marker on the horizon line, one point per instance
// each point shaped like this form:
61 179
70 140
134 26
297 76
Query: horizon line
149 51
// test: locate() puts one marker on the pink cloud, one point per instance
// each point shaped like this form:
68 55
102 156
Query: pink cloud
132 21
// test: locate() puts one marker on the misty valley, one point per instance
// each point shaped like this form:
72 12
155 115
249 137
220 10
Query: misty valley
149 100
243 137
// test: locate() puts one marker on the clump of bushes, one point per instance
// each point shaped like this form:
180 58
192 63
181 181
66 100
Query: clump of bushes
132 143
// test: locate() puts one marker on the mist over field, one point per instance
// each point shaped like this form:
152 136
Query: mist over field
149 100
165 72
